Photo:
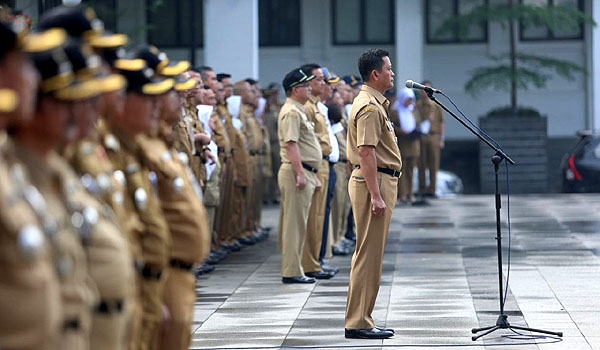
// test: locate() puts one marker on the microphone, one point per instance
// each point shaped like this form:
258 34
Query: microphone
412 85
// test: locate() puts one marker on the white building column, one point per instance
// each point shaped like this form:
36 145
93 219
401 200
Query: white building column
593 59
410 38
231 37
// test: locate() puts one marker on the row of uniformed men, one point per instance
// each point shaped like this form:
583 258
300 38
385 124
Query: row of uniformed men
324 103
102 219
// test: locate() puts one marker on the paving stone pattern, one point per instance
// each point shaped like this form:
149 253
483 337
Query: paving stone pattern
439 281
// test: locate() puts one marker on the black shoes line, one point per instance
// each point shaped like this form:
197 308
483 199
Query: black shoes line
372 333
220 254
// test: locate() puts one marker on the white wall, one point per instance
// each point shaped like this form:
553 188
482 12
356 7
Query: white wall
316 46
447 65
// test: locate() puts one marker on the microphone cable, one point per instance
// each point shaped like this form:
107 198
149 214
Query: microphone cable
491 139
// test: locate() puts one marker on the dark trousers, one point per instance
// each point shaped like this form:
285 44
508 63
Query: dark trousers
350 227
330 191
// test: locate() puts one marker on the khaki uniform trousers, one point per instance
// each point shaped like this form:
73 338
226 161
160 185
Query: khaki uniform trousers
316 219
430 159
135 311
221 216
250 197
340 205
259 189
180 294
212 194
371 233
295 205
109 331
406 181
152 301
230 212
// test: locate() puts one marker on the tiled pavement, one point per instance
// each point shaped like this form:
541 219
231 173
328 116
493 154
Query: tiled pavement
439 281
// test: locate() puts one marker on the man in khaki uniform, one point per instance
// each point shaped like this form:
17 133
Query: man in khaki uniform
139 115
30 297
253 135
186 218
316 216
373 185
36 144
234 198
301 156
270 121
406 125
431 144
109 258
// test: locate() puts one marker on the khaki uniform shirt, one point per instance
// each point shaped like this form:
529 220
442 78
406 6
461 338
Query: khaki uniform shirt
241 155
181 204
428 110
409 144
78 291
182 139
220 137
30 300
196 162
109 260
251 129
320 125
154 237
341 139
293 125
369 125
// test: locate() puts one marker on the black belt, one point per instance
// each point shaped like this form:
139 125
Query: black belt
391 172
71 325
332 163
180 264
344 160
110 306
151 273
309 168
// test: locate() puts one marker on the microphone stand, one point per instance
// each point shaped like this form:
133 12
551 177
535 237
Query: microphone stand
497 158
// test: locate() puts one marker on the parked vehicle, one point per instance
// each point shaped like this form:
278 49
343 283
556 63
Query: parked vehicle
580 168
448 184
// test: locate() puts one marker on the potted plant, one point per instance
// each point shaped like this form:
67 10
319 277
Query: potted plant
524 136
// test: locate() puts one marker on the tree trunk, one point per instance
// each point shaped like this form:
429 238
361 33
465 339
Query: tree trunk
513 60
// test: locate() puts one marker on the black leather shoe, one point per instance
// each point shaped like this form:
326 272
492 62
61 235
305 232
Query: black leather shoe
391 330
301 279
372 333
237 246
320 275
247 240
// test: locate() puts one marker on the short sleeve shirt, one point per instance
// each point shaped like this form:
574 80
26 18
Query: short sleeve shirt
293 125
370 125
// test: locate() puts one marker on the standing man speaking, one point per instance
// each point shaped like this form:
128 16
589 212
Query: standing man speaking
373 151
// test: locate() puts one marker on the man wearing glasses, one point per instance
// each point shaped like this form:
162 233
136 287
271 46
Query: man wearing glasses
301 157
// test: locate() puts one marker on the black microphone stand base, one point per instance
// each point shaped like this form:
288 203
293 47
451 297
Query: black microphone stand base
502 322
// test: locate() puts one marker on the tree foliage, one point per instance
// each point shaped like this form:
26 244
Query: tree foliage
516 70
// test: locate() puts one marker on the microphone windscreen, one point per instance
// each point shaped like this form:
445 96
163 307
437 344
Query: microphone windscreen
409 84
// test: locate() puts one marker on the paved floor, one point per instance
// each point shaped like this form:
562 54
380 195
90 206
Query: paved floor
439 281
